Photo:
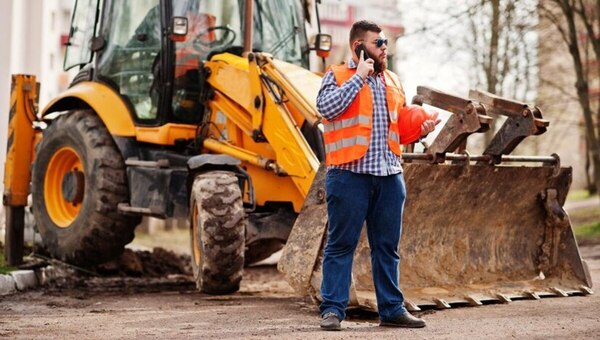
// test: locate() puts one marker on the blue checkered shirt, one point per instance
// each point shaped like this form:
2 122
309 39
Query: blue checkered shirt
333 100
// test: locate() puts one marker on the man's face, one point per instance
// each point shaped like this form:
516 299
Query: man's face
371 40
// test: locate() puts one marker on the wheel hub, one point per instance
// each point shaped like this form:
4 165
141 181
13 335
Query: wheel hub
73 185
64 186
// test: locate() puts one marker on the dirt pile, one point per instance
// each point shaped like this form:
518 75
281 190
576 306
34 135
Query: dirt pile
140 263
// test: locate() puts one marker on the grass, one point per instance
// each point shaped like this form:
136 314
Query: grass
591 230
586 224
578 195
4 269
584 216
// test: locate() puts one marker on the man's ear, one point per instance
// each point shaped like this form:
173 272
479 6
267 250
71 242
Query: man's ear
354 45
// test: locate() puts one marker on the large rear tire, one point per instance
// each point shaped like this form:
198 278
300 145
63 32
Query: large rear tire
218 226
77 182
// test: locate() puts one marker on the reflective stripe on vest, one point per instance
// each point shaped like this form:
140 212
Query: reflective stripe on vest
347 142
347 137
394 136
346 123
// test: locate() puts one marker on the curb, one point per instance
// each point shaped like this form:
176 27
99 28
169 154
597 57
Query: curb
21 280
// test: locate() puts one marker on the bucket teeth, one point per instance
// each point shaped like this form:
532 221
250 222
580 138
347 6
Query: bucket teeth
474 302
559 291
441 304
410 306
586 290
532 295
503 298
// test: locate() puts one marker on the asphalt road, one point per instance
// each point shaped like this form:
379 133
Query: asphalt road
266 307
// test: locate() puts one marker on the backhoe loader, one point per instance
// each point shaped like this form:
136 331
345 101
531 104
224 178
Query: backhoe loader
187 108
206 110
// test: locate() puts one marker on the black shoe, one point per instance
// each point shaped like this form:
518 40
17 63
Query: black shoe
330 322
405 320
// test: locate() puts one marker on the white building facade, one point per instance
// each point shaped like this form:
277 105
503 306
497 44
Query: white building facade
33 34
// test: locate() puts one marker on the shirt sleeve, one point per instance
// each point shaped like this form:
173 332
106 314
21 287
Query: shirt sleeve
332 99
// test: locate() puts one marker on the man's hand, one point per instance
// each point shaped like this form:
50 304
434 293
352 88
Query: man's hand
365 67
428 126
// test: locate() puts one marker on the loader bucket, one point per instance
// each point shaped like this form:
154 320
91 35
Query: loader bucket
471 234
478 229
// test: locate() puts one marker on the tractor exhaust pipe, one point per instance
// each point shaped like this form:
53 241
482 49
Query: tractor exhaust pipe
248 24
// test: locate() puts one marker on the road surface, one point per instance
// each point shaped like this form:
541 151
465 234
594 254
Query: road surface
266 307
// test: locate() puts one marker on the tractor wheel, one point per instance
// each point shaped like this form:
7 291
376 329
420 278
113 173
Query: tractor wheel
77 182
218 226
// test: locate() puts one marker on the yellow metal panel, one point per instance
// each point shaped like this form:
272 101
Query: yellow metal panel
303 93
229 75
293 153
232 60
268 187
166 134
276 122
235 113
23 107
234 151
256 107
107 103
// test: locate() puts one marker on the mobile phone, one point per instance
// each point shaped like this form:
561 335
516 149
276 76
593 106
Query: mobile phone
362 48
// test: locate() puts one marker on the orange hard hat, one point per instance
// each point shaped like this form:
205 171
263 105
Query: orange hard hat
410 119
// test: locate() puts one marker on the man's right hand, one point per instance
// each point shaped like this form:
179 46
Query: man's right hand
365 67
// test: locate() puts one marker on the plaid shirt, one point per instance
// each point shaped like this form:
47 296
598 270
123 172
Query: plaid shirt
333 100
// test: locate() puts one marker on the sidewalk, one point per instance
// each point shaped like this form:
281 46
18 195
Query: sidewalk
20 280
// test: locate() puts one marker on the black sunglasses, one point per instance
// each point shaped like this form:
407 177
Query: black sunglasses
380 41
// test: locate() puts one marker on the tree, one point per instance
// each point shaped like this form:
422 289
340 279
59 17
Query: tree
495 40
577 22
502 41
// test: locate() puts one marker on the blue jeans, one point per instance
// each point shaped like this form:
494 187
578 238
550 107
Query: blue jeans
353 199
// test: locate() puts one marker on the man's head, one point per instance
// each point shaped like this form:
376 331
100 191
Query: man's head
371 36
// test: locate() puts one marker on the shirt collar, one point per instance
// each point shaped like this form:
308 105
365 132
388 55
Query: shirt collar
351 64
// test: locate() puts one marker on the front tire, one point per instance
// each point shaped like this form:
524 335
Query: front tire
78 180
218 226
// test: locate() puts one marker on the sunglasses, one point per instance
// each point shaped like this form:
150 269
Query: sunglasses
380 42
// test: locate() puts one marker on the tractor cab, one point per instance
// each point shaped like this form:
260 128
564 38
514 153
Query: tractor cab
151 51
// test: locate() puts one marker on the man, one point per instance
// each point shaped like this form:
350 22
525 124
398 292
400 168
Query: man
366 120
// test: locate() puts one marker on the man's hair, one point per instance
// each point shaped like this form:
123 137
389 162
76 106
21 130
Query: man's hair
361 27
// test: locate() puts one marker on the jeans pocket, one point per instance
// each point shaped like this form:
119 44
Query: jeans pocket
334 172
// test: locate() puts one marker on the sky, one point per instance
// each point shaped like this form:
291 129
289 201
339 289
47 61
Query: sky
429 63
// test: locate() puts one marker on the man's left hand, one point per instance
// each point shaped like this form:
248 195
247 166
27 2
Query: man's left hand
428 126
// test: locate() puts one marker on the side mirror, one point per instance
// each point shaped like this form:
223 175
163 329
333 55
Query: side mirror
323 44
179 28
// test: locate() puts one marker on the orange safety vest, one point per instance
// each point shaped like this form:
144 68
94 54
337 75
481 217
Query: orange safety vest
347 137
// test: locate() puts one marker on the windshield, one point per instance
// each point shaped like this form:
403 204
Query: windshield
217 25
132 33
279 30
130 60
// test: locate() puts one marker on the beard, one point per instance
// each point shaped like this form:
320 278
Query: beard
378 65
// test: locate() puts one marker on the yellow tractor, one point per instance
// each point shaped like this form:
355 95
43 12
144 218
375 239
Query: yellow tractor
205 110
180 108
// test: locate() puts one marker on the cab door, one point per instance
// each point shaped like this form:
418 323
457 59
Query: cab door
83 28
129 60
